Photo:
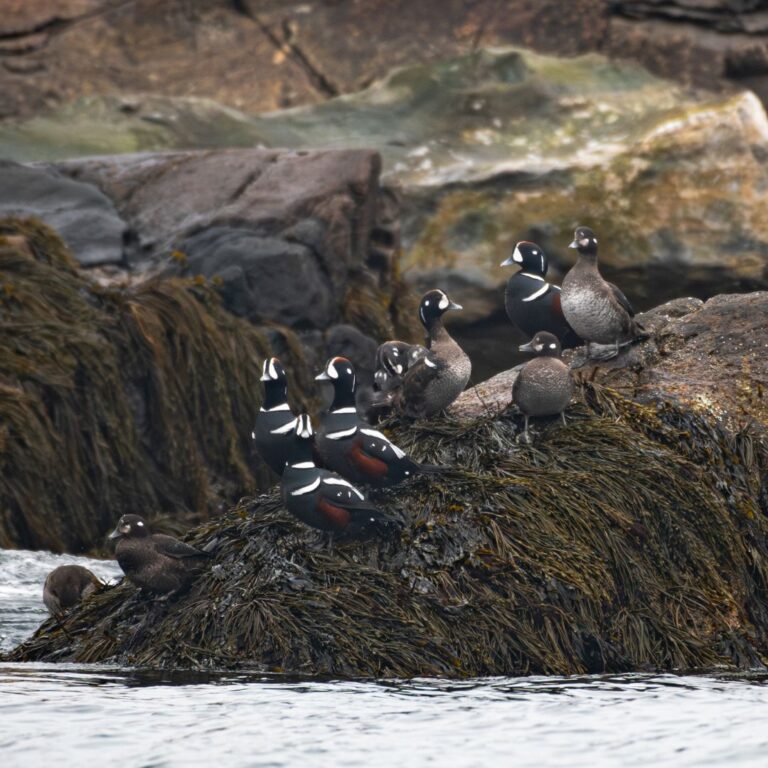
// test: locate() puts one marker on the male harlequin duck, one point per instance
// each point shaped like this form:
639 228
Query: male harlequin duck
349 446
596 309
323 499
66 586
393 359
154 561
273 433
544 386
532 303
435 381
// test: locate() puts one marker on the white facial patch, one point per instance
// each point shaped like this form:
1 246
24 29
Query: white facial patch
538 347
331 371
517 256
430 363
140 524
347 409
553 346
444 302
398 368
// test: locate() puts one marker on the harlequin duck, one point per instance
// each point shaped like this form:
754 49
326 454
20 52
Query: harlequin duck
532 303
323 499
544 385
349 446
273 433
435 381
596 309
393 359
66 586
154 561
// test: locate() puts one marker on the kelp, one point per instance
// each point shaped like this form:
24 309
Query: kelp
608 545
130 397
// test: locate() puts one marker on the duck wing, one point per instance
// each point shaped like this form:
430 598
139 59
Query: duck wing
343 504
178 550
622 299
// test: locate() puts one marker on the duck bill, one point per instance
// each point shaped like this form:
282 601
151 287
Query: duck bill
508 262
526 347
323 376
115 534
574 244
454 305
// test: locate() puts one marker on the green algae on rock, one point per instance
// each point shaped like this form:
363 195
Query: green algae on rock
131 397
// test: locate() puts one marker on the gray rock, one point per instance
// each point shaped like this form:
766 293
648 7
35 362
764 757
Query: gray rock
263 278
82 214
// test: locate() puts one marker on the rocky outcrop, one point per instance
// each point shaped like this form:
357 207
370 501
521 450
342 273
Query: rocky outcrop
498 145
634 538
260 56
300 240
702 358
84 216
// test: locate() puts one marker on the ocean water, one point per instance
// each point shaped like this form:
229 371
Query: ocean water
71 715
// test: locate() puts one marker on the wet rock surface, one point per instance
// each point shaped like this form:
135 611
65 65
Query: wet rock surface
707 358
632 538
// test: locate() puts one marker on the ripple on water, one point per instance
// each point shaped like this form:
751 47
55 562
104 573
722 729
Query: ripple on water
75 714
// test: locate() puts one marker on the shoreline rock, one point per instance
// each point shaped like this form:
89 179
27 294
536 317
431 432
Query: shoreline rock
632 539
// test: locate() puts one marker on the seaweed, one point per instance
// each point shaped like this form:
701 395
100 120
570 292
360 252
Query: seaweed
608 546
137 396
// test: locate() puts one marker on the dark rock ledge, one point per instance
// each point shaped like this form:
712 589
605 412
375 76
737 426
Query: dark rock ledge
634 538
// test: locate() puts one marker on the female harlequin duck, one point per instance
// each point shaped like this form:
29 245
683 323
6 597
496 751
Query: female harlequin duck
349 446
544 386
596 309
273 433
154 561
532 303
323 499
393 359
66 586
435 381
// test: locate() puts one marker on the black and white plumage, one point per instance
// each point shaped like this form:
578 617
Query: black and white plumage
532 303
154 561
66 586
393 359
273 432
348 445
596 309
543 386
322 499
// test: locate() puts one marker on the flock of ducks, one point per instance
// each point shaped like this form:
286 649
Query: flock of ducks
320 472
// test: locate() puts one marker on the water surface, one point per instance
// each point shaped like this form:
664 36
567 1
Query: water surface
73 715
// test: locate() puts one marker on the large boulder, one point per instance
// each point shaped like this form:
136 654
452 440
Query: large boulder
634 538
485 149
82 214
